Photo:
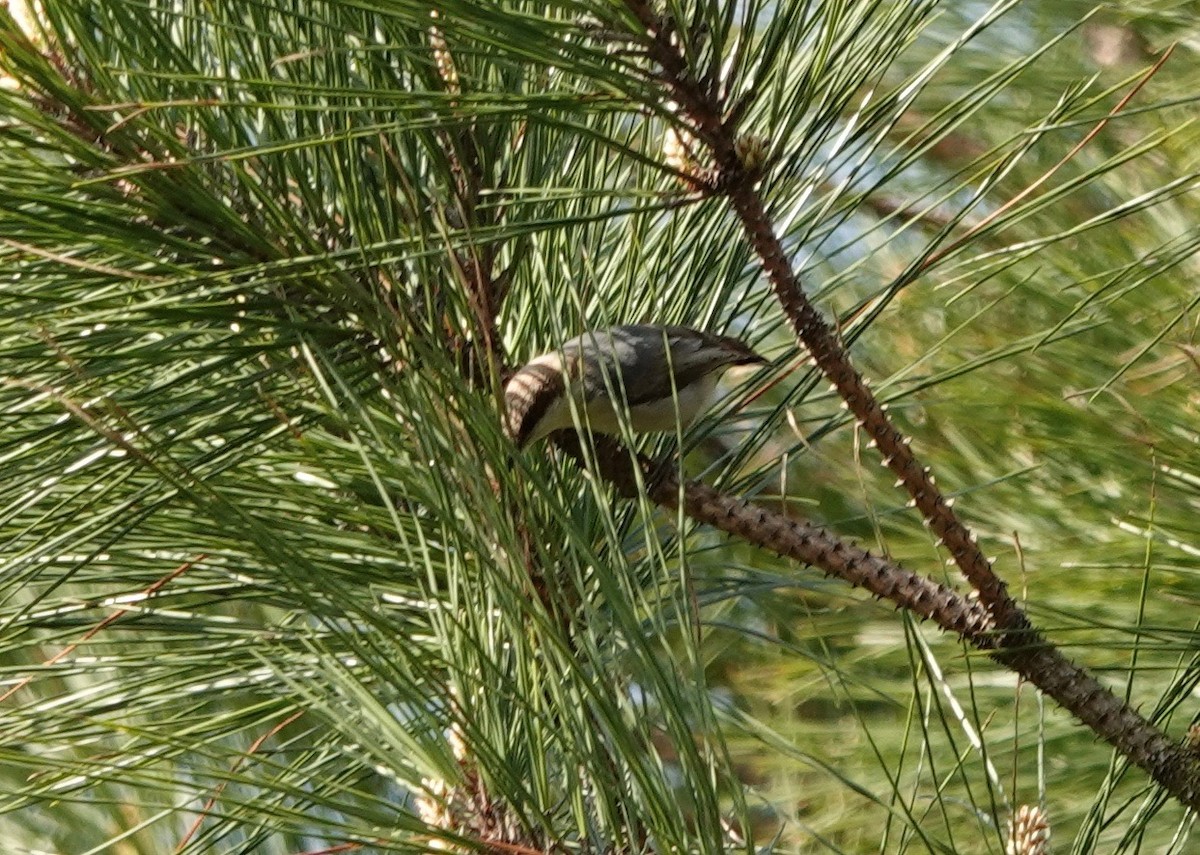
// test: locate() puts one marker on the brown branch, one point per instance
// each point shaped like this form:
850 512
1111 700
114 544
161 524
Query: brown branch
1173 765
832 359
818 336
1012 640
789 537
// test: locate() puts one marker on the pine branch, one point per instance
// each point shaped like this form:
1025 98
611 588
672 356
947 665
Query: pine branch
1016 643
1175 766
790 537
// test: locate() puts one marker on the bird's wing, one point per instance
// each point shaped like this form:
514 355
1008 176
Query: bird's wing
600 353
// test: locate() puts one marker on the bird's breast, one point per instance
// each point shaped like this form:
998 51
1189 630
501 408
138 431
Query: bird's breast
664 414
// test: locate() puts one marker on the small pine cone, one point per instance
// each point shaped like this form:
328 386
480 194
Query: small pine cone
1028 832
458 745
442 58
435 811
752 152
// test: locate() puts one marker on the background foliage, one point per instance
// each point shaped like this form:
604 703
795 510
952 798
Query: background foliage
266 554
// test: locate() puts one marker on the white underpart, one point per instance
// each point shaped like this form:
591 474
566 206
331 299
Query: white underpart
603 415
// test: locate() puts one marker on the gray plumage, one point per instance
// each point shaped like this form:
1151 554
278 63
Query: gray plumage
660 376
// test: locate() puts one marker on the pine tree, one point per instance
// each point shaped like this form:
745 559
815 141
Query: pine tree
274 578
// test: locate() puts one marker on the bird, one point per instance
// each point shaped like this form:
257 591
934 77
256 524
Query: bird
652 377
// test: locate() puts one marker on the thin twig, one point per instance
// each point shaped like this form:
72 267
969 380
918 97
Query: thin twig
212 800
1048 174
75 262
121 611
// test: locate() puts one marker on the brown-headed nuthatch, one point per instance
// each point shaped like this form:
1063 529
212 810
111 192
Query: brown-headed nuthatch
661 376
